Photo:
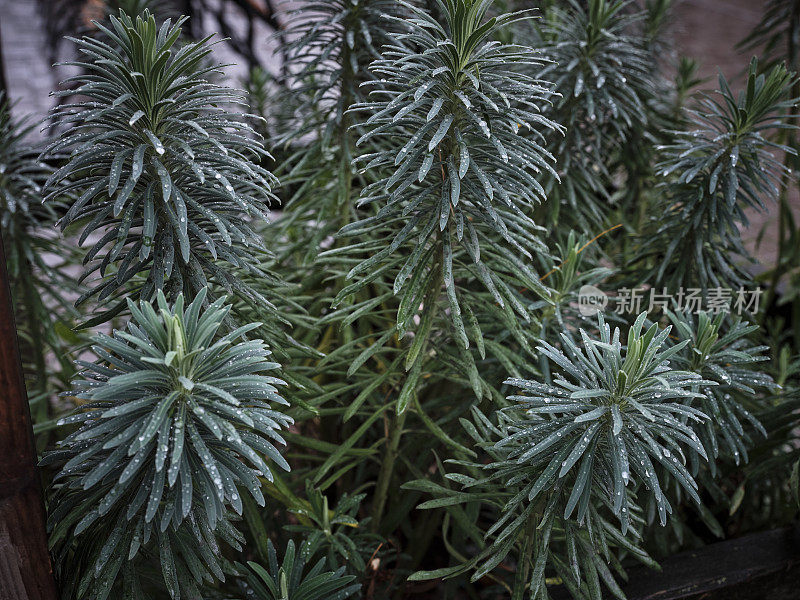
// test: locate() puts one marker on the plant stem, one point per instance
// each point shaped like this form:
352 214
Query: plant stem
345 174
525 556
430 303
387 469
345 170
430 524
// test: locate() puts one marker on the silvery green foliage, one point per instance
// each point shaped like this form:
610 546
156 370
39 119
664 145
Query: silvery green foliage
292 580
720 350
603 74
162 172
600 67
597 441
454 198
23 218
582 554
612 413
335 531
21 175
721 166
567 273
174 421
331 45
607 436
35 257
260 98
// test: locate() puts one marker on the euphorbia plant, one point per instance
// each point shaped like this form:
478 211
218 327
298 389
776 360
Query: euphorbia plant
167 175
176 415
452 175
176 419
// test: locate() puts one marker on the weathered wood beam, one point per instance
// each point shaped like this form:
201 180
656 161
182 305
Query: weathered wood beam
759 566
25 569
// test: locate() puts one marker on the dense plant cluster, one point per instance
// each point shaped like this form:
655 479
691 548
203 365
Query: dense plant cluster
176 420
724 165
604 76
36 261
444 411
158 165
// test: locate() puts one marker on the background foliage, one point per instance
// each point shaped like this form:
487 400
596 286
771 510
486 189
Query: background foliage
449 175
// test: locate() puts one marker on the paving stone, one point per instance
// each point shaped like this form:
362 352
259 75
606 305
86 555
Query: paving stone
28 75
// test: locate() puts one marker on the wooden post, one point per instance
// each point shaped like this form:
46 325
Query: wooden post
3 83
25 569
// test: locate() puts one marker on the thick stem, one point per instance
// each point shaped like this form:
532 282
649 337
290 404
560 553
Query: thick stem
396 426
525 556
345 174
387 469
345 169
